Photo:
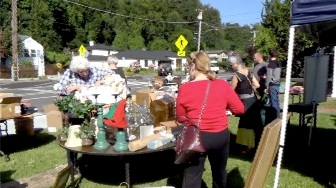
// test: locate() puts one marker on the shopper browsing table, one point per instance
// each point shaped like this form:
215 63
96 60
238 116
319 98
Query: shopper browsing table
215 135
81 75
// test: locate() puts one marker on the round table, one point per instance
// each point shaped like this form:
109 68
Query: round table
89 150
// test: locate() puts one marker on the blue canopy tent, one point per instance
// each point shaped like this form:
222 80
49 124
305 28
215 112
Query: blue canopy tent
316 18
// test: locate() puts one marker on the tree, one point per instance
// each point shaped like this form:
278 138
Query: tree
274 33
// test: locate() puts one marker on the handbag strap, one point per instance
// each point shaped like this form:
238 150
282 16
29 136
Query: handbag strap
254 89
204 104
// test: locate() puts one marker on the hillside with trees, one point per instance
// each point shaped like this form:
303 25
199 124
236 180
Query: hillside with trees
60 25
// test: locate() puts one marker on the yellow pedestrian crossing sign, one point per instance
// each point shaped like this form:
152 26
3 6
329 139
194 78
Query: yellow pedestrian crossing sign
181 43
181 53
82 50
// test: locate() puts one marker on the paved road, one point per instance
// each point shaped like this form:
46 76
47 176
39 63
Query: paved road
40 93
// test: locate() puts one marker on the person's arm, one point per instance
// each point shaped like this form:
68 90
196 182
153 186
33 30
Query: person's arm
255 82
276 75
234 82
180 110
269 75
103 74
234 104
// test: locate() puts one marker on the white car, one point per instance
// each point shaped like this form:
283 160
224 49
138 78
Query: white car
214 68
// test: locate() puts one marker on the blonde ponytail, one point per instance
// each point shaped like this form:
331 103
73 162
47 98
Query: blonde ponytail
211 75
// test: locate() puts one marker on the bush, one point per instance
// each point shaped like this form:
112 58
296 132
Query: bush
55 57
225 65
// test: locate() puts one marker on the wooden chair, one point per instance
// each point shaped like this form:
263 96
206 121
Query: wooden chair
264 157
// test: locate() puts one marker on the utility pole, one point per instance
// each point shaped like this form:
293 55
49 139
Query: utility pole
199 17
254 36
15 67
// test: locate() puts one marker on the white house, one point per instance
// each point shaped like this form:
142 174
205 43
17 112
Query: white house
32 51
217 55
97 56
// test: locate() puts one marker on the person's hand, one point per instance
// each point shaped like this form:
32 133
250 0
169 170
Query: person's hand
266 91
78 87
98 83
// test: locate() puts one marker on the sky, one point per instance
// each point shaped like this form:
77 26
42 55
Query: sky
238 11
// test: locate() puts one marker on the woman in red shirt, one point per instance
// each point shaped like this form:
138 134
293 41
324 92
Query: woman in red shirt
214 123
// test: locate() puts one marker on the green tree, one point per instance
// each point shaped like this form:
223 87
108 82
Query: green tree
274 33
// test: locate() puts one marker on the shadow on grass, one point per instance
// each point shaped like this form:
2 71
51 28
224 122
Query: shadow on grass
317 160
143 168
12 182
15 143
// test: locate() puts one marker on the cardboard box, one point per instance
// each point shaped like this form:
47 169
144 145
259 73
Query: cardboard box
3 95
54 116
145 95
10 107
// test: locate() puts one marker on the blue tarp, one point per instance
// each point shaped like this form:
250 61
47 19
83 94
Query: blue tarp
316 18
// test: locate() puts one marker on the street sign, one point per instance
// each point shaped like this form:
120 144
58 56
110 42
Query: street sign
181 43
181 53
82 50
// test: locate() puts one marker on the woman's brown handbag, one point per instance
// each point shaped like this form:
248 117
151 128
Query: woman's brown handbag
189 144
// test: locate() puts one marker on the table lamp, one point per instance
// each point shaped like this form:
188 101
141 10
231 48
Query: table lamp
101 142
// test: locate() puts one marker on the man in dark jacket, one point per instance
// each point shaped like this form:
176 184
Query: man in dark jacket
273 81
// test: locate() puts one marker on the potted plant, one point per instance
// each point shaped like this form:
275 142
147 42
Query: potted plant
64 133
86 133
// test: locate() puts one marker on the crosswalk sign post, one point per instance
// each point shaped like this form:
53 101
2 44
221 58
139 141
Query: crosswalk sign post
181 43
82 50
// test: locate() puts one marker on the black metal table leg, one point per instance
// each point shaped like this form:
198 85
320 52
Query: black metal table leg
72 160
127 174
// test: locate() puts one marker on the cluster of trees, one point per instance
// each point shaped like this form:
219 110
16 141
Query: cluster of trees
150 25
124 24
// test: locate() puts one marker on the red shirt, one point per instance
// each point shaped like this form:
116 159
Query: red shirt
221 98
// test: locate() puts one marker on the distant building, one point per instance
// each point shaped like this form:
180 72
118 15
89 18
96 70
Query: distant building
32 51
217 55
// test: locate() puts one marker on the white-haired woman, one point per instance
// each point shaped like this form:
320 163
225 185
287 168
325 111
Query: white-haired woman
250 124
80 75
112 62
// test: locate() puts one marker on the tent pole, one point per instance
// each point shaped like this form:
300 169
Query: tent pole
333 94
285 105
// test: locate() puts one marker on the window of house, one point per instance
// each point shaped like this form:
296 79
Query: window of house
33 53
146 63
26 53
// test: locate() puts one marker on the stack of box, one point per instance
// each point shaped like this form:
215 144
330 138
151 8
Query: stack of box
10 106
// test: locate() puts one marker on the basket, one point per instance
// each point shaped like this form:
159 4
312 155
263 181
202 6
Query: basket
24 125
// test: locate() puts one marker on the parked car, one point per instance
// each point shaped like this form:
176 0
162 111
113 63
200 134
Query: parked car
214 67
164 69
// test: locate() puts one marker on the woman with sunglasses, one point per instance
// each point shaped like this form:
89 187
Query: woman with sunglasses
213 123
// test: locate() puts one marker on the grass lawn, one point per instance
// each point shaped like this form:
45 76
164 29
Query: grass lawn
302 166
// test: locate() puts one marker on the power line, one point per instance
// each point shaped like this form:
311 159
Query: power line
126 16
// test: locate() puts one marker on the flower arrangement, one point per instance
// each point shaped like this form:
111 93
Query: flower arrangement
136 67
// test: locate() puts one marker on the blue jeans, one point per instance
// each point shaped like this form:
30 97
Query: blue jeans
274 98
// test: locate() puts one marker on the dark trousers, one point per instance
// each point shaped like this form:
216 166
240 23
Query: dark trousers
274 98
217 146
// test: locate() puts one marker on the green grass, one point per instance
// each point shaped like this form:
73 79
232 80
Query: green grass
302 166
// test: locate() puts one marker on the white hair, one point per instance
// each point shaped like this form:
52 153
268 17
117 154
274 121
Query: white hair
235 59
79 63
112 60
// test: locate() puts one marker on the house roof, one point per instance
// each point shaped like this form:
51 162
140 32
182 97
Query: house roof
160 55
96 58
23 37
216 51
101 47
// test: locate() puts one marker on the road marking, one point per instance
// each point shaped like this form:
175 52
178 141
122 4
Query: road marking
39 98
